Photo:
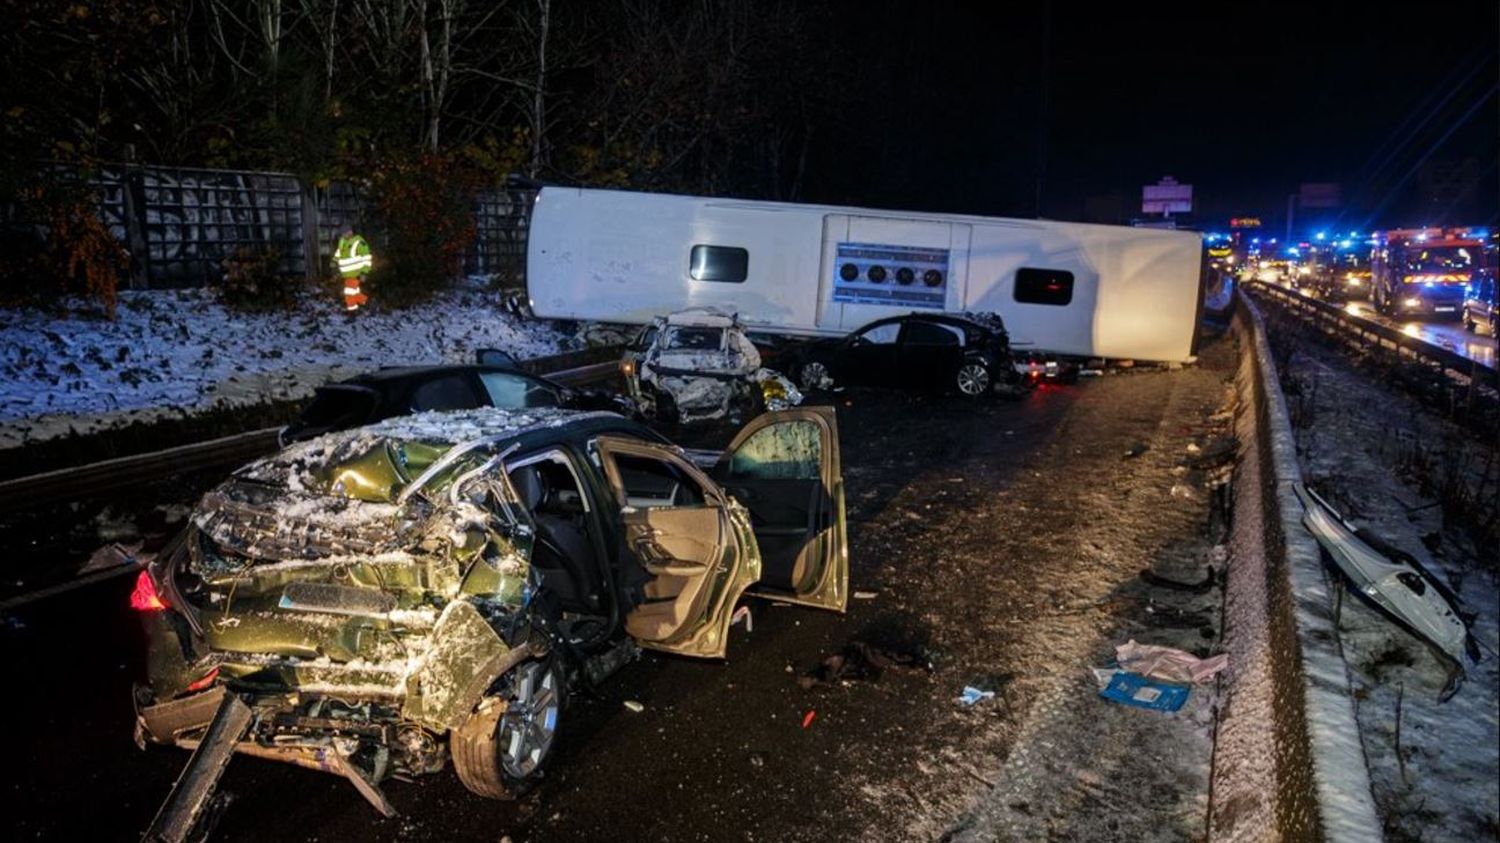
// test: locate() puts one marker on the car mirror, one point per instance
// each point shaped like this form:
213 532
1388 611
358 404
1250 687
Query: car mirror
496 357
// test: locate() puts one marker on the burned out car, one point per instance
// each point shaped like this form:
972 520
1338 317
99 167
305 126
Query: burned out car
385 600
700 364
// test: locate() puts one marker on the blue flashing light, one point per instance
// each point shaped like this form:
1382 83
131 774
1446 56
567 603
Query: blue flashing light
1320 235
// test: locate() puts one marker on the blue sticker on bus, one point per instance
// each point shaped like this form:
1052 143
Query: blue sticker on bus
901 276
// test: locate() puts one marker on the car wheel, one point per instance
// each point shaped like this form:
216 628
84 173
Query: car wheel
813 375
501 749
973 379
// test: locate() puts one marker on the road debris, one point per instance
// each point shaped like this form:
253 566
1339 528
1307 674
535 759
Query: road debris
1136 450
1395 582
861 661
743 614
1133 689
972 695
1168 663
807 718
866 595
634 707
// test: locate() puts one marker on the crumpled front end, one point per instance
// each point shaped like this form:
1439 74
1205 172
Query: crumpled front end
378 620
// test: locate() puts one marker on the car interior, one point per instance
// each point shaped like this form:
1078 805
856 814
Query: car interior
563 554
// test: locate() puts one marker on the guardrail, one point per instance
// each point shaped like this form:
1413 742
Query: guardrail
1288 763
124 472
1471 372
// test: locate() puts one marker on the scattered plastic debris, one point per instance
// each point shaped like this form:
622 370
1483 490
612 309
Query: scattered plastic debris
1136 690
1136 450
634 707
115 555
1395 582
807 718
1168 663
743 614
866 595
972 695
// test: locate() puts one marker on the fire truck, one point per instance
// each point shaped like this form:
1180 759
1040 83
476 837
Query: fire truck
1423 272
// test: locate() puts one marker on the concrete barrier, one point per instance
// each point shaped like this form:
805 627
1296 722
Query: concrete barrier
1288 762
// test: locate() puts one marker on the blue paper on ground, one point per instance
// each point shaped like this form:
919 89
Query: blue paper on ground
1134 689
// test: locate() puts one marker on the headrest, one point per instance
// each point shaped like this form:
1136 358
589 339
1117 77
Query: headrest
528 483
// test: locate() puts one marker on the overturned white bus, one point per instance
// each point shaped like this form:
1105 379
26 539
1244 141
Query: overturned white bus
1062 288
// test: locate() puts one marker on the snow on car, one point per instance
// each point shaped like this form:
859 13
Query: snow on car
695 365
376 601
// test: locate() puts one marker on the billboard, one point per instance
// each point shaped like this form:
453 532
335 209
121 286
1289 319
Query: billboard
1167 197
1318 195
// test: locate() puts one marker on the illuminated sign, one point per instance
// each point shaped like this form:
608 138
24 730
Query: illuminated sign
1220 252
1245 222
903 276
1167 197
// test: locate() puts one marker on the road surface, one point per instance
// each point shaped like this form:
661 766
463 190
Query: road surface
1002 541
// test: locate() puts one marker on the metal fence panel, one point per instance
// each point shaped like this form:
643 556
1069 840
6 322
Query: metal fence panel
194 219
501 221
180 223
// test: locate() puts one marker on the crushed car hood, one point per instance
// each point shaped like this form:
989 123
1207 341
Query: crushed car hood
337 565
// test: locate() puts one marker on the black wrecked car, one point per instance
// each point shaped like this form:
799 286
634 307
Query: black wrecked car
398 391
969 354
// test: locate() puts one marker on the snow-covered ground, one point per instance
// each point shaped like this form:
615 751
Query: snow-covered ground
1437 776
170 353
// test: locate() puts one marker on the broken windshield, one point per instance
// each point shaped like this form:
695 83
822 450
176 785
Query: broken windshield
695 339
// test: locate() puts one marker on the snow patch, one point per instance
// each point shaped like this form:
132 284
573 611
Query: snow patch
171 353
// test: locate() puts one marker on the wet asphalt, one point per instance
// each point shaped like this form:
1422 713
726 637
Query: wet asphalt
739 750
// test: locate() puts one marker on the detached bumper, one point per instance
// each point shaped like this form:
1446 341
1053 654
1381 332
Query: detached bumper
165 722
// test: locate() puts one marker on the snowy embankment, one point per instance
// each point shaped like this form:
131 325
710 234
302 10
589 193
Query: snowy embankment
179 352
1385 459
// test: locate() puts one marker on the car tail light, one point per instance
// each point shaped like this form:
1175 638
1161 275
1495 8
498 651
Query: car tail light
208 679
144 598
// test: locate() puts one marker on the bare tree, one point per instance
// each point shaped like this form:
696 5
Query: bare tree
539 96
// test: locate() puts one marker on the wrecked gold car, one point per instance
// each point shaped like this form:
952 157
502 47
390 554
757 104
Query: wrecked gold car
382 600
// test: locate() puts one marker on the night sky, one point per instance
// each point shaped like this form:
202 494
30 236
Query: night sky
1244 101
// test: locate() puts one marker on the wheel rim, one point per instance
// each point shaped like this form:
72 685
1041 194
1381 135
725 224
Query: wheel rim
973 379
814 375
529 724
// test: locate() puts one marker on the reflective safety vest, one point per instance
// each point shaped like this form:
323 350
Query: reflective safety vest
353 256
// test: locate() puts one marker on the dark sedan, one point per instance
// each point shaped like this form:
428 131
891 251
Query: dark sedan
968 353
399 391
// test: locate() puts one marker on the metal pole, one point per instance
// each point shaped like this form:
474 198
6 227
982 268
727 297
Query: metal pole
191 792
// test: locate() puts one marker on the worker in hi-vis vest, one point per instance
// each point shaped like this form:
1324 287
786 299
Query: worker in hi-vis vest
353 259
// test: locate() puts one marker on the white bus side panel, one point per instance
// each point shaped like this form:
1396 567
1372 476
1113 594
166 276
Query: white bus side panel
613 256
617 256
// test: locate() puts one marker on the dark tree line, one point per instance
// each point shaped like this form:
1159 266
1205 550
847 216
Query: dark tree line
716 96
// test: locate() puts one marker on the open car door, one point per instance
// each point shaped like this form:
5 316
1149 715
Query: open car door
695 545
784 467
